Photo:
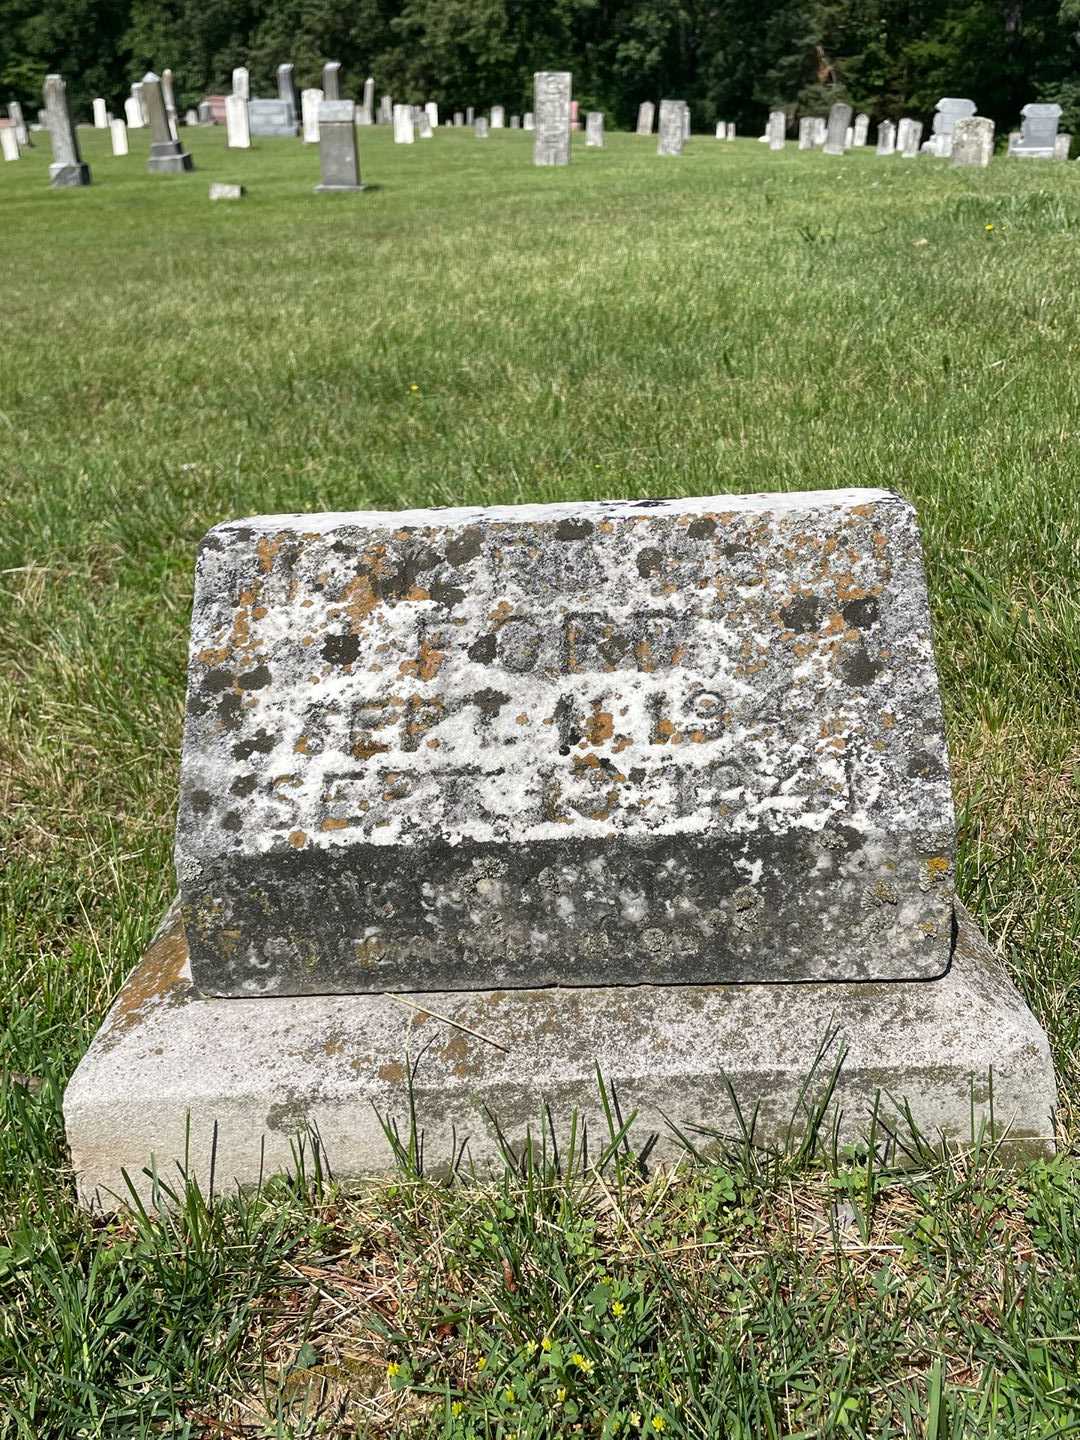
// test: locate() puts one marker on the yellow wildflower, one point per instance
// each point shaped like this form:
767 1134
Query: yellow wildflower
585 1366
508 1394
456 1407
414 388
545 1344
481 1362
393 1369
659 1423
560 1394
989 227
635 1418
618 1309
530 1347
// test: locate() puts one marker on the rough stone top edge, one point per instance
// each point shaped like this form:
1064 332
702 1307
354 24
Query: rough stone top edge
789 502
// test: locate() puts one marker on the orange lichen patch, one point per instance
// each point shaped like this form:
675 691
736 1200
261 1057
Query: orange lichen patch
267 549
586 762
358 599
365 749
836 624
611 804
330 823
258 612
696 737
297 839
301 746
644 657
662 731
502 612
622 742
393 1072
600 726
283 780
888 719
161 971
521 719
304 604
937 867
427 664
239 643
605 527
418 593
433 744
863 510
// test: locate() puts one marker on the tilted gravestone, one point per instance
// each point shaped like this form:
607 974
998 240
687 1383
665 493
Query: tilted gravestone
339 160
551 107
100 115
169 97
22 130
68 168
836 133
9 142
886 138
286 86
594 129
167 156
1038 132
973 141
671 131
118 136
645 117
365 115
585 766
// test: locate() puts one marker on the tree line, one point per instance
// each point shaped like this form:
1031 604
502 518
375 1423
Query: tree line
730 59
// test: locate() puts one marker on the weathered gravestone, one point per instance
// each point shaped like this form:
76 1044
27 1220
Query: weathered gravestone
237 123
645 116
671 130
807 132
849 137
1062 144
169 97
528 121
498 117
339 160
775 129
946 113
459 119
365 114
100 115
886 138
480 127
133 113
271 119
973 141
22 132
221 191
584 766
836 133
431 109
118 136
167 156
331 80
191 117
67 168
423 126
860 130
403 125
551 102
140 99
386 110
241 82
594 129
912 140
286 88
515 122
470 114
9 142
310 100
1038 132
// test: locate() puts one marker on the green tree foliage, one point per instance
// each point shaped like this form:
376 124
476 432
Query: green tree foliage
731 59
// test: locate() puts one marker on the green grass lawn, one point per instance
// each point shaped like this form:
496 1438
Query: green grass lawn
473 330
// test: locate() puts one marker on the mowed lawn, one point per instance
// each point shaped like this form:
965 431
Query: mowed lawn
472 330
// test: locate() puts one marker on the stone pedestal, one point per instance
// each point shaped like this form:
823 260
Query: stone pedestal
339 161
68 169
248 1075
167 155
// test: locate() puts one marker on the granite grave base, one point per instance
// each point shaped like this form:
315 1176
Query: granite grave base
171 1073
61 176
167 157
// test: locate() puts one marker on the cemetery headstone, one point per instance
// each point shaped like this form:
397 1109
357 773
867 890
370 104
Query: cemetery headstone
144 113
167 155
168 95
807 132
575 123
568 774
861 129
386 110
849 137
68 168
645 116
432 110
515 122
470 114
9 142
498 117
286 89
22 132
423 126
837 128
594 129
1038 132
118 136
686 121
271 119
206 113
310 100
972 140
912 140
365 114
237 123
886 138
731 130
903 129
133 113
551 106
220 191
100 113
1062 142
775 129
670 130
403 125
459 119
241 82
331 80
528 121
480 127
339 159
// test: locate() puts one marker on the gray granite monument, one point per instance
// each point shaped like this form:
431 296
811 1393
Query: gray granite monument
365 114
310 100
168 95
645 116
886 138
9 143
807 132
480 127
167 156
594 129
946 113
339 160
776 129
860 130
551 107
68 168
659 786
271 119
671 131
837 128
331 80
22 131
498 117
1038 132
